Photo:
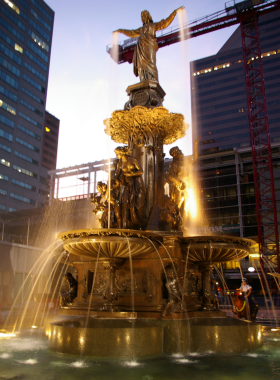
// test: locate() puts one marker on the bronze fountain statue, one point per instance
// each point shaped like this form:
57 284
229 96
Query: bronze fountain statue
139 265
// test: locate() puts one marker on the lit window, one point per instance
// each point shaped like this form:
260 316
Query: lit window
13 6
4 162
18 48
223 66
47 129
7 107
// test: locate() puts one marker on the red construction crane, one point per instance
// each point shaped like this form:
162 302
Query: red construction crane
244 13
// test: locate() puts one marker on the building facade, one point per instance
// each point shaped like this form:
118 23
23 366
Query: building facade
219 100
50 141
26 28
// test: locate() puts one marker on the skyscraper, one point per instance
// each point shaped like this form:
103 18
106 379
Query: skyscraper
219 100
26 28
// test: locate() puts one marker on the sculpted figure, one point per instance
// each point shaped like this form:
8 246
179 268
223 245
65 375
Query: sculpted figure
68 296
177 178
144 58
174 293
132 189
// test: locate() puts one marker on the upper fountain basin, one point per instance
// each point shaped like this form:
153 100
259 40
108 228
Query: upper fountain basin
108 243
215 249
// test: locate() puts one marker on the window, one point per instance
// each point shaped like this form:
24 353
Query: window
11 30
29 146
7 121
2 207
38 40
6 135
35 72
22 199
5 163
33 83
31 107
222 66
23 184
24 171
23 3
39 29
37 51
50 154
42 10
28 132
3 192
51 139
26 158
13 18
5 148
34 97
8 66
43 192
50 146
6 78
16 9
208 70
11 209
37 61
7 107
30 120
42 21
4 177
10 54
11 42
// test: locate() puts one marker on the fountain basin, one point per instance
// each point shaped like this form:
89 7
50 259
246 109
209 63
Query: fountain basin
108 243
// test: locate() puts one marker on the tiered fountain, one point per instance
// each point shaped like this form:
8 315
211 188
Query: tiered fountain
138 286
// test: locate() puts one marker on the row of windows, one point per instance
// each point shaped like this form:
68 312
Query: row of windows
12 43
23 89
224 58
225 129
218 82
4 177
42 21
35 72
49 154
51 139
226 88
217 74
3 192
33 83
12 18
29 146
222 105
6 121
23 184
50 146
39 29
42 10
11 81
31 107
223 122
30 120
54 125
4 162
23 3
226 138
48 161
16 9
28 132
10 54
37 61
11 30
8 94
218 114
26 158
6 135
221 97
37 51
22 199
24 171
38 40
7 107
8 66
5 148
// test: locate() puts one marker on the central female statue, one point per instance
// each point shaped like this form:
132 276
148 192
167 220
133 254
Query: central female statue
144 58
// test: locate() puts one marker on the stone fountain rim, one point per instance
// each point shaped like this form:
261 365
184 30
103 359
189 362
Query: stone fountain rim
90 232
215 239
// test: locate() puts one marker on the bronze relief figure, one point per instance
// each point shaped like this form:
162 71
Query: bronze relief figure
144 58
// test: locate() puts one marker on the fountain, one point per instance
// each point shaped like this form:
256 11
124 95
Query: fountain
137 286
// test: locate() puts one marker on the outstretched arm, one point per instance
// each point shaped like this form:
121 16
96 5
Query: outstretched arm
166 22
129 33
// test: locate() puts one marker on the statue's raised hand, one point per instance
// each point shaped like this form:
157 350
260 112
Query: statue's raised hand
181 8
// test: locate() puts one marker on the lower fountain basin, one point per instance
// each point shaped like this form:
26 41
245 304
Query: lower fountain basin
135 338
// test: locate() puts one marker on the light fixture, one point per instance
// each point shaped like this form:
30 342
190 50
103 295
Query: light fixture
251 269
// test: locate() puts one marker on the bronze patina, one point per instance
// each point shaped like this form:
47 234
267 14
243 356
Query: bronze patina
144 58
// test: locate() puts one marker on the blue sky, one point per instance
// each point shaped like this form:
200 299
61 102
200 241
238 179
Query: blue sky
86 86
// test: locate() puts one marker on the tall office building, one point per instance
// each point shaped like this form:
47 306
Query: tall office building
50 141
26 28
219 100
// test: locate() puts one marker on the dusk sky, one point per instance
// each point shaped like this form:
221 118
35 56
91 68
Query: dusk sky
86 86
